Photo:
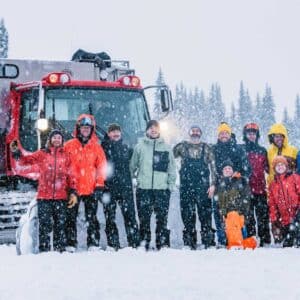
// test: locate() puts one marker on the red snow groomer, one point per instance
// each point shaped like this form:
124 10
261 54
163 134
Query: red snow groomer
37 96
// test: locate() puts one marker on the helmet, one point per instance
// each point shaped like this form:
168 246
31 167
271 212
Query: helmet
251 127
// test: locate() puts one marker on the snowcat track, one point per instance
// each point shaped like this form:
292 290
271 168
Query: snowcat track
13 204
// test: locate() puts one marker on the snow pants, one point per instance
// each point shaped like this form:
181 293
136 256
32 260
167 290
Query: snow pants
123 197
190 199
93 227
52 217
219 223
157 201
259 206
289 234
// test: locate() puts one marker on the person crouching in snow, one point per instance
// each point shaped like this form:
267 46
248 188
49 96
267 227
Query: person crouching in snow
55 184
284 204
233 197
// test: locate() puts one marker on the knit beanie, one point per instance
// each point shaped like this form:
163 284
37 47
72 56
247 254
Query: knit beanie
279 159
152 123
54 132
224 127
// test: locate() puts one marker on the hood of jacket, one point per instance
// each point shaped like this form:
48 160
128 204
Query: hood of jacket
76 129
279 129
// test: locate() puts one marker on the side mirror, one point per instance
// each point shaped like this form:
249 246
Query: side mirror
164 100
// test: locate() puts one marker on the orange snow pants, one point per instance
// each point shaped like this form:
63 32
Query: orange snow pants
233 228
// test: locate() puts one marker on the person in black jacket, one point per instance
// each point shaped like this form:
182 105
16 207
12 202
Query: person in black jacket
119 185
258 159
197 185
226 149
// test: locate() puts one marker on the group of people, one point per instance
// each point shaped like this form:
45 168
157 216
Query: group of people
218 181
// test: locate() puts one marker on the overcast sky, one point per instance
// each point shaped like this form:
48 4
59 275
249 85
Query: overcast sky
196 41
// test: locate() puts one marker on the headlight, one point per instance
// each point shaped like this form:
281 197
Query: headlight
42 124
164 125
64 78
126 80
103 74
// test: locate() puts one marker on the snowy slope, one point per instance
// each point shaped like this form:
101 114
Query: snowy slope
135 274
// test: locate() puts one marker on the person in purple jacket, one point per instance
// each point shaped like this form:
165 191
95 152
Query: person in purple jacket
257 157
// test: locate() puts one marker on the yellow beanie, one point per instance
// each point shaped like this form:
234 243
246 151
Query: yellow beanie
224 127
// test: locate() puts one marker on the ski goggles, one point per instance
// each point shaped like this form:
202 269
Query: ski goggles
86 121
251 126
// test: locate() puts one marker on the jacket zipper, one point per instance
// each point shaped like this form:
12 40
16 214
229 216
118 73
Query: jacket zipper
153 164
284 198
54 171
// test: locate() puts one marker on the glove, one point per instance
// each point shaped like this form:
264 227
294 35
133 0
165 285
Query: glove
98 193
72 200
236 175
211 191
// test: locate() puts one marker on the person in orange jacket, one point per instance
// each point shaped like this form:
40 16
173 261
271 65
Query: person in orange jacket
284 204
89 164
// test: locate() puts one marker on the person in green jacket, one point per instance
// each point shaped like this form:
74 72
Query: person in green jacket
153 165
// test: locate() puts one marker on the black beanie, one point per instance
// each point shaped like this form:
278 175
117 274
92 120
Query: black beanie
152 123
54 132
227 163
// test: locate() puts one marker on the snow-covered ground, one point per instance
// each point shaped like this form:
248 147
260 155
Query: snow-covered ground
135 274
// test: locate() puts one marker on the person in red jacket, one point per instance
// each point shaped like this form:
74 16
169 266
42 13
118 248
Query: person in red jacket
284 204
56 181
89 164
258 159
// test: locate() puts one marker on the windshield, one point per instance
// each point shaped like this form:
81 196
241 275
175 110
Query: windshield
125 107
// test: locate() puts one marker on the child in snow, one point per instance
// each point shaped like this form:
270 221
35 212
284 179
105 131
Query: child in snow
55 182
284 204
234 200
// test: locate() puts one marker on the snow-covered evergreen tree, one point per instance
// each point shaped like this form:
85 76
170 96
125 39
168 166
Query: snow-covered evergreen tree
244 108
180 106
289 124
234 120
268 113
3 40
296 120
215 112
257 110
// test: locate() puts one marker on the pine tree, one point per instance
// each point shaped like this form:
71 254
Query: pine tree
215 111
257 114
297 109
3 40
220 107
288 123
245 107
234 119
157 106
296 120
268 113
180 106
